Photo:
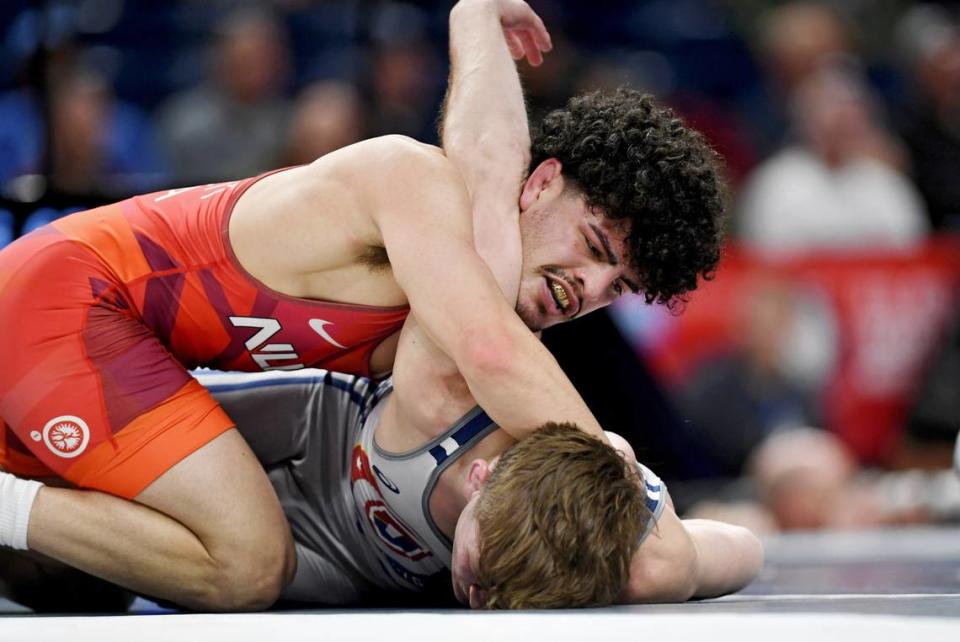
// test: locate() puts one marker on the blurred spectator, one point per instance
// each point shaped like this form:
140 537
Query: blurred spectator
736 400
232 125
933 424
794 40
550 85
930 123
724 131
408 79
98 144
327 115
800 475
22 135
804 479
840 184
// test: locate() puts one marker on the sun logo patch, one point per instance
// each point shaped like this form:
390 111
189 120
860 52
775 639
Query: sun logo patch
66 436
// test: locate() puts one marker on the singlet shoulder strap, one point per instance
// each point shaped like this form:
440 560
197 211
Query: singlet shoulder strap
657 495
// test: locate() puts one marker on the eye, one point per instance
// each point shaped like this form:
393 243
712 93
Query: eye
593 249
617 288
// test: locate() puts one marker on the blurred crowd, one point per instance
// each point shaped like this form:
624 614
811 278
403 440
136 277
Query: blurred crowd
839 122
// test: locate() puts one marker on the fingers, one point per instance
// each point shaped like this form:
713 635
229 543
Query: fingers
540 35
514 44
530 48
522 44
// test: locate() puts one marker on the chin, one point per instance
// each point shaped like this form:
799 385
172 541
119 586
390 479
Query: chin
531 319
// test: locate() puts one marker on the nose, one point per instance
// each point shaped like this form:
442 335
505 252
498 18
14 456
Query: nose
595 283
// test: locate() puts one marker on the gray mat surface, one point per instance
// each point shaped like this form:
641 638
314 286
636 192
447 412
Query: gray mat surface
824 585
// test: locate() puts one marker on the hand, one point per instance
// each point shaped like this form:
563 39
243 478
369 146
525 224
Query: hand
525 33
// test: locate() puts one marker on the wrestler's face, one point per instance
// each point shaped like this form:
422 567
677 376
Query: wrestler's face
466 538
466 556
574 259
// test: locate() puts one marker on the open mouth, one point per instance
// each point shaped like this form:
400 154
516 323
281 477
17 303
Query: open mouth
564 299
559 295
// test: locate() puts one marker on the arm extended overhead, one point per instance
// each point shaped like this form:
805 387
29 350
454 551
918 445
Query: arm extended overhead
484 128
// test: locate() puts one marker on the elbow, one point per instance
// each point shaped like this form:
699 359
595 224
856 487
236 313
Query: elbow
487 355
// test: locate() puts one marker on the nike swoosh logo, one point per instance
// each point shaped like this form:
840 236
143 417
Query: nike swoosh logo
317 325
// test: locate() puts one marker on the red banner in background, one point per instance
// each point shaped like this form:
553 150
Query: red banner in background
858 328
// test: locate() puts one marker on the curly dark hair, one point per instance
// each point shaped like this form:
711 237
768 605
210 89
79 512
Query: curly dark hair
634 159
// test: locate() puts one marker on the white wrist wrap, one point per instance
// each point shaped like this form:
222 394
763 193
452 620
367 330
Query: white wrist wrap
16 502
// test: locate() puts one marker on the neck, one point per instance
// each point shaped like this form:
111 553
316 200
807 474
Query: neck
449 496
448 499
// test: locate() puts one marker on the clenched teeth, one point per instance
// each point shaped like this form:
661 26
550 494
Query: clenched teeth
560 295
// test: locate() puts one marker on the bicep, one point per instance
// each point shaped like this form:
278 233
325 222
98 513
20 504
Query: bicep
428 235
497 240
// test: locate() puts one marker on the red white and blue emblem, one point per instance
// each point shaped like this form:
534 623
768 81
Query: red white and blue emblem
392 533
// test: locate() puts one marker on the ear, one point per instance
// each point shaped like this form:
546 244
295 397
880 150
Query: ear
478 597
545 176
477 476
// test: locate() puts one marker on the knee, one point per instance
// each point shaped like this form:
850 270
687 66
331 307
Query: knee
250 579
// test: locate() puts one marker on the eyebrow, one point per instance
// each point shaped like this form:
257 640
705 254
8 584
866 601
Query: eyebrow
608 250
611 256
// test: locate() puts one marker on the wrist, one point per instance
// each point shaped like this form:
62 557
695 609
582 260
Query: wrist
475 7
16 503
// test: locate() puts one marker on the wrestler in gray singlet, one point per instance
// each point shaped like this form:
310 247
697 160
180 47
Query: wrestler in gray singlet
359 516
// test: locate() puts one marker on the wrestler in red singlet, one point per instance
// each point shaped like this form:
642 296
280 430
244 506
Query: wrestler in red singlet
103 311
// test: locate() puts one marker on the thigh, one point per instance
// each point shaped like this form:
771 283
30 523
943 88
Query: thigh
87 389
221 493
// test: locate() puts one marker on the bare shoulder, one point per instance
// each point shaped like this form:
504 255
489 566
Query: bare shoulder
406 158
399 153
406 147
392 171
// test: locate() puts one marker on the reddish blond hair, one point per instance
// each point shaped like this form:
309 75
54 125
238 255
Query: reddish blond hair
558 520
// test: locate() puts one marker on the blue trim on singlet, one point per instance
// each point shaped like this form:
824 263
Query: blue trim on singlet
653 504
463 435
326 380
438 453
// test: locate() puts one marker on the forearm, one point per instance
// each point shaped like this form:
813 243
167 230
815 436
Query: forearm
728 557
519 384
484 128
460 307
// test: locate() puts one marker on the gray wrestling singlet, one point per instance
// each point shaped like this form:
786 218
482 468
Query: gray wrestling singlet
302 426
359 516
